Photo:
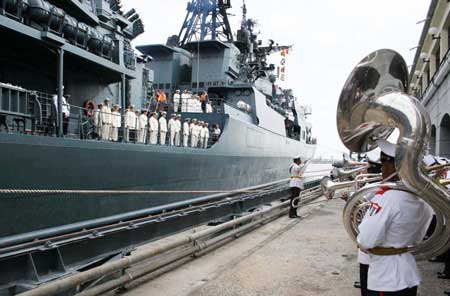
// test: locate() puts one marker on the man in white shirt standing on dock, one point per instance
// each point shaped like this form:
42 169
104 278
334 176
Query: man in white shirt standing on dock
162 128
395 220
296 185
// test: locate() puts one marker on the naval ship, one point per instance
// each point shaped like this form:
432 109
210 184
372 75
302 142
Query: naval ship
82 49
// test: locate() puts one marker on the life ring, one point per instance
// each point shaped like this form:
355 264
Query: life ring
89 108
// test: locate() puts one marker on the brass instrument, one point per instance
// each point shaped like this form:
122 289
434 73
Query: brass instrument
372 104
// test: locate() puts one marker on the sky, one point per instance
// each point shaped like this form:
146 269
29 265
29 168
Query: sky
329 37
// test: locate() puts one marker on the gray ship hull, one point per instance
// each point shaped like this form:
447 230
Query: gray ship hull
245 156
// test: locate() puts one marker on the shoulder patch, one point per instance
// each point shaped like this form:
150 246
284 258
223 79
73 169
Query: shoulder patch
382 190
374 209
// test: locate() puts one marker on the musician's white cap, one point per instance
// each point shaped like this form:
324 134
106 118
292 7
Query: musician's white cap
387 147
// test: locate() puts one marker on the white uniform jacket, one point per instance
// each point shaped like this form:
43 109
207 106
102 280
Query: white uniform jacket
395 219
106 115
143 121
171 126
177 126
203 132
186 129
295 172
116 119
176 98
130 120
154 124
163 125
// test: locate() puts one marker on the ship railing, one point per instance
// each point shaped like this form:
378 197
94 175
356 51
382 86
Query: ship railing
40 110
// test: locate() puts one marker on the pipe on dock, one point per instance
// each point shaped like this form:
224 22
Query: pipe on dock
136 274
72 281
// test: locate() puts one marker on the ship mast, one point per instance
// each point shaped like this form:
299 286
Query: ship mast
206 20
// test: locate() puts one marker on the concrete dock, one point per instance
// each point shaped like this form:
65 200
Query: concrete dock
312 256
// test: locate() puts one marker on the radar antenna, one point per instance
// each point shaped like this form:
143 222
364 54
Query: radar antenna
206 20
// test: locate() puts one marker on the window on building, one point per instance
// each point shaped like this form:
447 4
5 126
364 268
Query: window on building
161 86
201 84
194 85
168 85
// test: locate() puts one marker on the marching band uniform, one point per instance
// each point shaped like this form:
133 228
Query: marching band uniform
143 124
130 122
116 124
396 219
171 127
154 125
186 131
162 128
177 127
106 120
176 101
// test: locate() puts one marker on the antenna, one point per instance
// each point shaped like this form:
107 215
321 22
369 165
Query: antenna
206 20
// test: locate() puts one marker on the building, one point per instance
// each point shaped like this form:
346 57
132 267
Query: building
429 79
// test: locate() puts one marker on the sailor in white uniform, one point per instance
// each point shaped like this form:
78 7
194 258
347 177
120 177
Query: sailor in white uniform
193 131
171 128
143 124
396 219
184 101
154 127
106 120
296 184
176 101
177 127
98 120
206 136
162 128
186 132
116 123
130 122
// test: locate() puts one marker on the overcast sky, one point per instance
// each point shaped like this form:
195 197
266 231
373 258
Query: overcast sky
329 36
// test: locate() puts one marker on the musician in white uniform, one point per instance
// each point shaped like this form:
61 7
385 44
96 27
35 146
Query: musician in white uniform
296 185
162 128
395 219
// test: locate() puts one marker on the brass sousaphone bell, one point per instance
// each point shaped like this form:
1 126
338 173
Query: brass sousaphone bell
372 104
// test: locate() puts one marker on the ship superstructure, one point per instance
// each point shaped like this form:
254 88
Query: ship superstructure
82 50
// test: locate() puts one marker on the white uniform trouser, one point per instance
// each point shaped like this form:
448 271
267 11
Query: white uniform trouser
98 130
185 140
172 138
162 138
114 134
142 135
194 141
205 142
153 137
127 134
184 106
177 138
176 104
200 140
105 131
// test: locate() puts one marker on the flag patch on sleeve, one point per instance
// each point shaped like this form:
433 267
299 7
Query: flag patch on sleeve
374 208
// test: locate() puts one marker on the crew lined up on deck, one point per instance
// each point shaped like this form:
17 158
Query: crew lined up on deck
149 128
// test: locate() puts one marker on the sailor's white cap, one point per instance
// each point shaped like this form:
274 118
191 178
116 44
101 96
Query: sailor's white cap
429 160
386 147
